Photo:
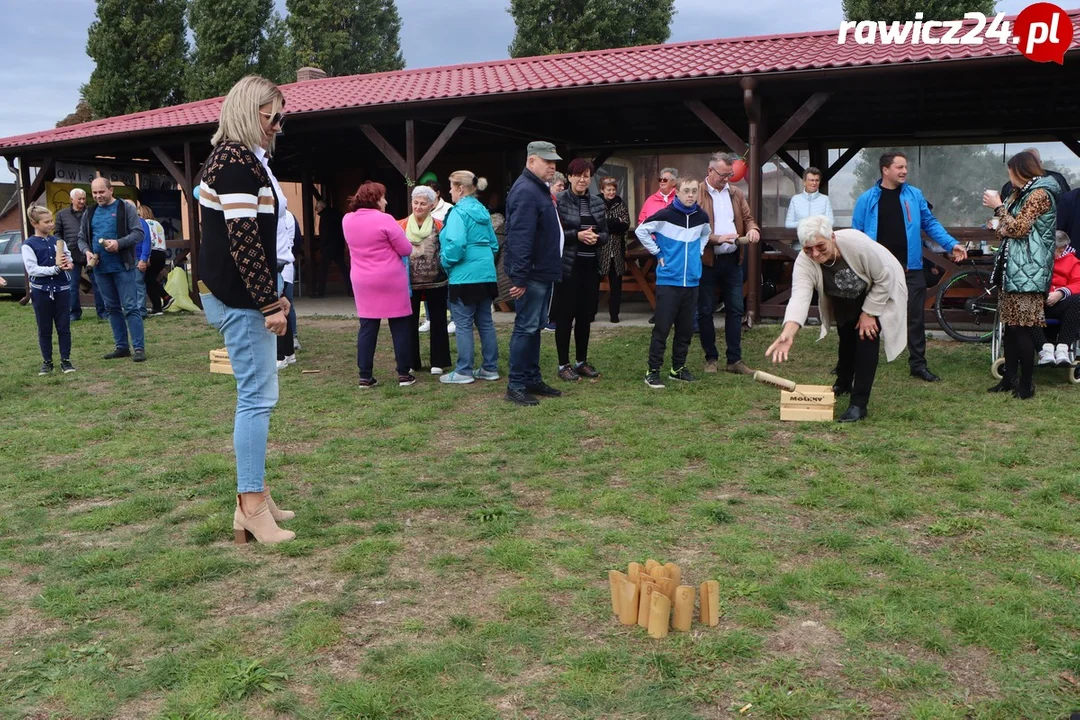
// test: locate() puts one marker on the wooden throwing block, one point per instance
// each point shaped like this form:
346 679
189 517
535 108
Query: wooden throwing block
628 603
710 603
219 362
616 580
684 608
644 598
659 615
807 403
674 572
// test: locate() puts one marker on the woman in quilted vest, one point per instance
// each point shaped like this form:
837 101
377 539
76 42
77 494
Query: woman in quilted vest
426 277
1027 220
467 251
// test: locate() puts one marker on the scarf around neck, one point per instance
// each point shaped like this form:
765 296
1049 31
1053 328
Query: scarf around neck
416 232
682 208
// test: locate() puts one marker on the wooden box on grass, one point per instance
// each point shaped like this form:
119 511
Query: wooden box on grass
807 403
219 362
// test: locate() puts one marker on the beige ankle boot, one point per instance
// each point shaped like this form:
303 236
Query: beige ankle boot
278 515
259 525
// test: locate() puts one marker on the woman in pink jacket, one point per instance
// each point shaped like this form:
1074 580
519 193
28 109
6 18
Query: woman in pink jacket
380 279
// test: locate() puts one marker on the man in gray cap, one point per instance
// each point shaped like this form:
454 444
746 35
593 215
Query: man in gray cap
532 259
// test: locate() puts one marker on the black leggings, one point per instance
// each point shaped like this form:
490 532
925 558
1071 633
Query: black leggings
573 307
153 285
369 334
1068 312
1019 345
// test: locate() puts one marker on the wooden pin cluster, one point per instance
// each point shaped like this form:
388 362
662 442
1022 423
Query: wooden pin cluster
652 596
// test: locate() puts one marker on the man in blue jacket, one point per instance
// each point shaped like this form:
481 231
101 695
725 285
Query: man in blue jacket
896 214
532 258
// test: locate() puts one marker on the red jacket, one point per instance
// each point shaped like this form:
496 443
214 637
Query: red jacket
654 204
1066 274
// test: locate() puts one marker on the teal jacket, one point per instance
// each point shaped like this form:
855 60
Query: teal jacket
468 244
1028 262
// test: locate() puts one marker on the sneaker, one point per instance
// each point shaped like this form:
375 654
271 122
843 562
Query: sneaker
567 373
1046 355
455 378
486 375
117 353
139 356
296 344
681 374
156 313
1061 355
425 326
46 368
521 397
406 380
436 370
451 328
168 304
282 364
586 370
711 366
67 367
739 368
290 359
550 327
544 390
368 383
652 379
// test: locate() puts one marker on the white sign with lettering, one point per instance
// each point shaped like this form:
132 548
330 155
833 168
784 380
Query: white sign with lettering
73 173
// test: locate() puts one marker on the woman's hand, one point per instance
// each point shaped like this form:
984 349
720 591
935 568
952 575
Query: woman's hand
277 323
588 236
991 199
1054 298
780 348
867 326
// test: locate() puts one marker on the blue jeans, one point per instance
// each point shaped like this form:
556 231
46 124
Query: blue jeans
464 317
728 274
121 303
252 353
531 314
140 292
99 303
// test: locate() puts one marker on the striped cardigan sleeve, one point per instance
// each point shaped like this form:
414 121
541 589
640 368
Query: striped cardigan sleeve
233 189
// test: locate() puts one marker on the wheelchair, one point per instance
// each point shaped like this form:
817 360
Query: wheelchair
997 360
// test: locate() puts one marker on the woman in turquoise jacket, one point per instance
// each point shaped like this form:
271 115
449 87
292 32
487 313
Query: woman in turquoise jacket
1023 268
467 252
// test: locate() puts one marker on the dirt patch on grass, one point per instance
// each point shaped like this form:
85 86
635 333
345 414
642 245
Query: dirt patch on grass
140 708
807 637
84 505
21 619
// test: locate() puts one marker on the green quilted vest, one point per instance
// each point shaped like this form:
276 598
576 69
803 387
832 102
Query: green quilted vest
1029 262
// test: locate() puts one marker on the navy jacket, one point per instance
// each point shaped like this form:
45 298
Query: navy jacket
1068 216
533 230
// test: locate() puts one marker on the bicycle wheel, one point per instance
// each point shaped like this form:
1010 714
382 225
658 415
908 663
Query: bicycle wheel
966 307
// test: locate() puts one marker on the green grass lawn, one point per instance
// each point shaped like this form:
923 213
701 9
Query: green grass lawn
452 550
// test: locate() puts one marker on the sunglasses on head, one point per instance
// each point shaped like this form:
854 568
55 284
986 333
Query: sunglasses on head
277 118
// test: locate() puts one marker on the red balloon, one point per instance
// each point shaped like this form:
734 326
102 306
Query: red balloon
738 170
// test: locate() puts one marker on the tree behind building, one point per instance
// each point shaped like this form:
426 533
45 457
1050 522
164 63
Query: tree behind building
546 27
346 37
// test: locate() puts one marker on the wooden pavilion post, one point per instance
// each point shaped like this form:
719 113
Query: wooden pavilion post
308 192
752 105
193 221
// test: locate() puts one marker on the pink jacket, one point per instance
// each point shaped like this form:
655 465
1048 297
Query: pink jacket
654 204
380 279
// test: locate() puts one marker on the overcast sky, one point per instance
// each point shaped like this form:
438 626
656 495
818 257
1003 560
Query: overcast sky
42 70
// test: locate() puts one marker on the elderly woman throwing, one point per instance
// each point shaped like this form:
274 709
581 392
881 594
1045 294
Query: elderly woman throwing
426 277
1024 265
861 290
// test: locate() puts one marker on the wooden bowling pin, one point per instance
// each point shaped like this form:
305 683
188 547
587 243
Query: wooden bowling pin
615 580
659 615
684 608
628 603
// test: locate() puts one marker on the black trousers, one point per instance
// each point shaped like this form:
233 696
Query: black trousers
674 306
440 339
916 319
1068 313
1019 345
615 293
154 290
573 307
857 361
336 256
286 344
367 337
52 309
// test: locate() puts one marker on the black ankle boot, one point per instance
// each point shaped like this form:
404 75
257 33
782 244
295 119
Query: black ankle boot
1006 385
1024 391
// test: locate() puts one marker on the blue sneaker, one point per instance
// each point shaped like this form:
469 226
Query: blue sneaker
455 378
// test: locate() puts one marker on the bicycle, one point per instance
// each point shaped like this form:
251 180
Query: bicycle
970 300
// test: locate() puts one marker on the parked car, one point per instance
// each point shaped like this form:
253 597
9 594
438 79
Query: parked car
11 264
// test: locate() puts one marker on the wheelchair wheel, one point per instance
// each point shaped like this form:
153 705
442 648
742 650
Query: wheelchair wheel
1074 374
997 370
970 300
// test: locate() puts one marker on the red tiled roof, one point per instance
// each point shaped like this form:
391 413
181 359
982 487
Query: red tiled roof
791 52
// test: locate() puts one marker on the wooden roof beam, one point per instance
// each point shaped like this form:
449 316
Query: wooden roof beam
718 126
439 144
795 122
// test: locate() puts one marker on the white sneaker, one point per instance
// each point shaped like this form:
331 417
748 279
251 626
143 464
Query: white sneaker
436 371
282 364
425 326
296 343
290 359
1046 355
451 328
453 378
1061 355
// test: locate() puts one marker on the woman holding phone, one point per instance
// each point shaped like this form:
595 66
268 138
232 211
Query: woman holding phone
574 302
